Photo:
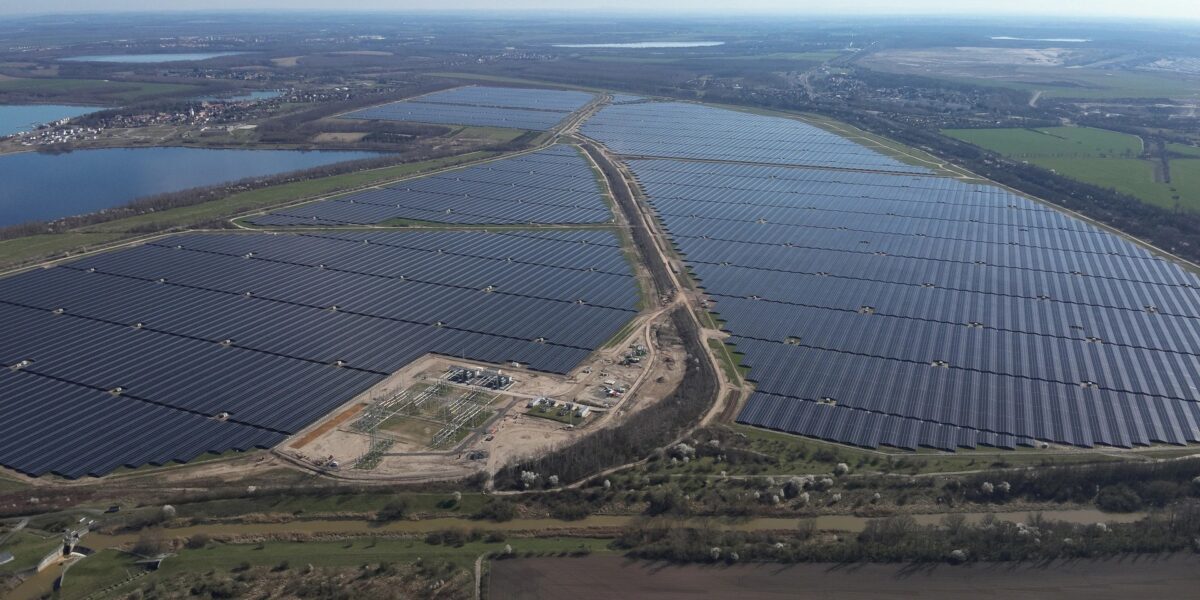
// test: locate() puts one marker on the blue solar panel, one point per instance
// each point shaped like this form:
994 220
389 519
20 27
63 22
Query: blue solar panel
517 108
693 131
275 331
914 310
552 186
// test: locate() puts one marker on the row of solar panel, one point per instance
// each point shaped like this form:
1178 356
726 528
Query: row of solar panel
693 131
973 313
542 99
598 280
798 266
984 402
1067 359
449 114
770 177
985 236
820 183
75 430
950 250
174 333
1106 326
551 186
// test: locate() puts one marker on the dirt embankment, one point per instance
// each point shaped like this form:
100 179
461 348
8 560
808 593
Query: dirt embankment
642 238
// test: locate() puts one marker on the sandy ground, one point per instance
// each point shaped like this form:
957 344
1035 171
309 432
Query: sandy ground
613 577
513 433
339 136
287 61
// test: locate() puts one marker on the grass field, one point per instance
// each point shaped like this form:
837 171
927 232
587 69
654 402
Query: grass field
27 549
1184 150
117 91
308 505
1104 158
804 455
110 568
1097 84
1053 142
1054 81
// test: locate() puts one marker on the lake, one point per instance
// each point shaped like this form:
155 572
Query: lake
23 117
50 186
149 58
644 45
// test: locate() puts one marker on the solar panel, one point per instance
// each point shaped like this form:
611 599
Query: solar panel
275 331
516 108
878 304
552 186
681 130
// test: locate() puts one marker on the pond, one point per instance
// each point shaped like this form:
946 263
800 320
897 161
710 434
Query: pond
50 186
149 58
15 118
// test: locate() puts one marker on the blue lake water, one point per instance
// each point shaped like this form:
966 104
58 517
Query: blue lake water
149 58
37 186
23 117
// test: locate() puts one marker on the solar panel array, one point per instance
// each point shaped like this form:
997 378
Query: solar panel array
912 310
516 108
125 358
680 130
555 185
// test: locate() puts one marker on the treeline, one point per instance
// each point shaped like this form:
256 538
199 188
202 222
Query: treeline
636 438
1117 487
902 539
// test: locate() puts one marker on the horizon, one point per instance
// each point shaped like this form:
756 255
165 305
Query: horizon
1168 11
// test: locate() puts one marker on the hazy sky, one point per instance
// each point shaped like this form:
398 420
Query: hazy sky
1157 9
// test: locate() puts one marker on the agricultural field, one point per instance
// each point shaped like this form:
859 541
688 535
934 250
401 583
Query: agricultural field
1105 158
1055 72
74 89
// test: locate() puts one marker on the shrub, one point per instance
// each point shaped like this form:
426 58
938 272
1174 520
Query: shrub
497 510
1118 498
393 511
198 541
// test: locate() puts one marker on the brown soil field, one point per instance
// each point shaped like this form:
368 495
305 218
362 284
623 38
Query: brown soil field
613 577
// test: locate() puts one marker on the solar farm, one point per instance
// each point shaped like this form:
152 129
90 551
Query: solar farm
877 304
515 108
209 342
552 186
874 303
693 131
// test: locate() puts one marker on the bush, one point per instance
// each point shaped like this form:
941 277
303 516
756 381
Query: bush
393 511
497 510
198 541
1118 498
150 543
